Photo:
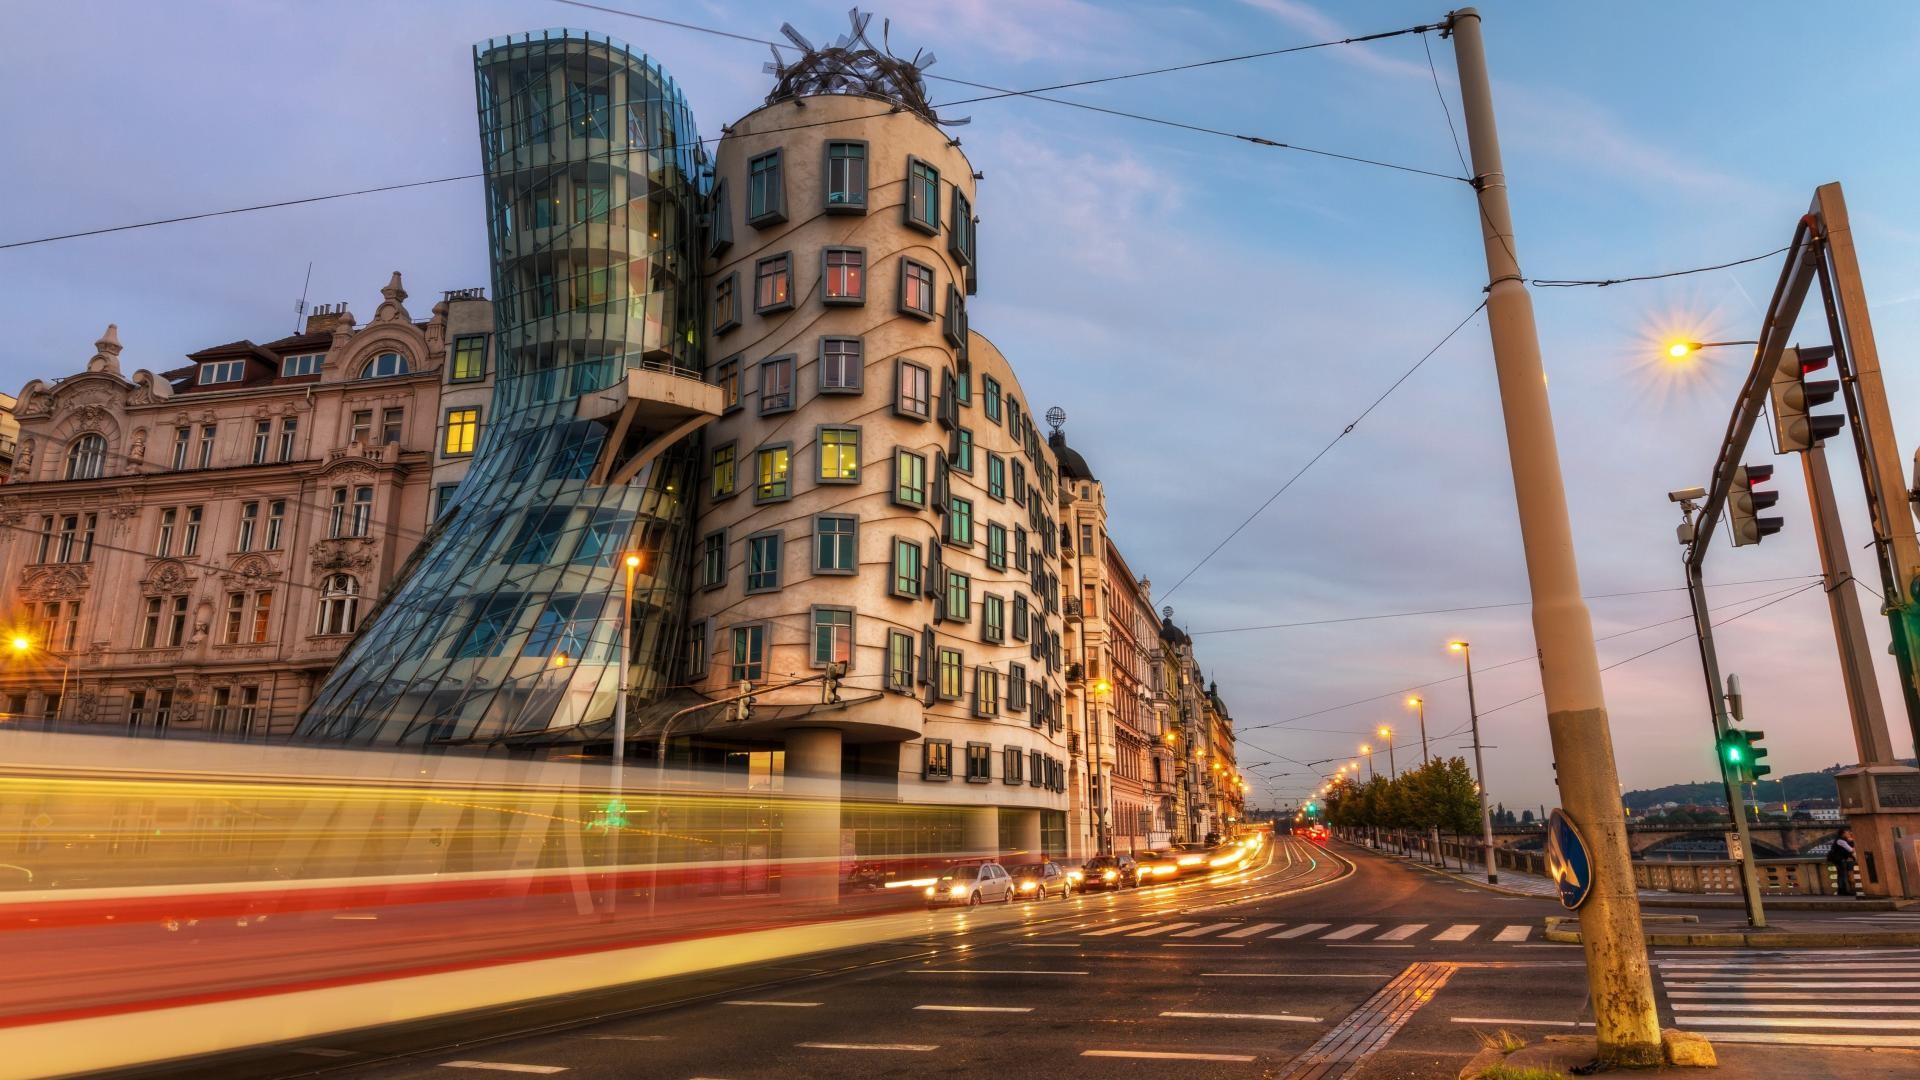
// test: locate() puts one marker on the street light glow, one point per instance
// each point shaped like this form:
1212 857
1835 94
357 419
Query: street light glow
20 643
1456 646
1414 702
633 562
1679 350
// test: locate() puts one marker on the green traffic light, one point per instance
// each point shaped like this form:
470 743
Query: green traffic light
1733 753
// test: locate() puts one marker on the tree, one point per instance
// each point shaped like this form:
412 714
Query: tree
1526 817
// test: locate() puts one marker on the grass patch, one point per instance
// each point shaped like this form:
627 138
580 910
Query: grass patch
1508 1072
1503 1040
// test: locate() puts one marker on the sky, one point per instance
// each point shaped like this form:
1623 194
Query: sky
1208 312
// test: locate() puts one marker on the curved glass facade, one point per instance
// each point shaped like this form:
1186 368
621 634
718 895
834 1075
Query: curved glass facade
509 622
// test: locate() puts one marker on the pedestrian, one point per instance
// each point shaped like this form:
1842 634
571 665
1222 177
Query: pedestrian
1842 857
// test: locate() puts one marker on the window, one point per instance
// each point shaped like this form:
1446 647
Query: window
846 177
776 385
835 550
75 539
763 562
697 652
1022 618
589 201
236 618
923 196
538 537
163 543
909 479
979 761
86 457
304 364
986 691
337 513
182 436
773 284
393 423
361 426
587 110
844 273
772 481
463 430
832 636
916 289
1016 688
1038 767
1012 759
839 455
362 523
1019 483
713 560
957 603
766 190
960 229
963 389
176 622
749 652
990 397
1013 418
339 604
225 371
900 661
960 521
249 521
914 392
726 375
841 365
993 618
469 357
726 303
952 675
720 228
1019 548
262 439
954 323
385 366
936 760
190 535
207 433
996 546
996 477
262 617
962 455
906 569
724 478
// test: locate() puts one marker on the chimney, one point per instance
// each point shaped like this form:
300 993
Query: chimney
328 318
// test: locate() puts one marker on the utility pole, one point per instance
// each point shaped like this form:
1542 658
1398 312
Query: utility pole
1627 1024
1479 765
1737 805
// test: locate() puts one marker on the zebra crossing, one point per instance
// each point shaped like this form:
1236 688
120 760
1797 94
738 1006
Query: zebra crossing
1333 934
1821 997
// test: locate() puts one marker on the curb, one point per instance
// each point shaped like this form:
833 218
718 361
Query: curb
1759 939
1448 874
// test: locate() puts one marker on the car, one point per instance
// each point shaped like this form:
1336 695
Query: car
1108 872
1192 858
1037 881
1317 833
1155 867
971 885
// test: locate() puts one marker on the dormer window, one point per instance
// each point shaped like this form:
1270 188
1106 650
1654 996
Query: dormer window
384 366
224 371
307 364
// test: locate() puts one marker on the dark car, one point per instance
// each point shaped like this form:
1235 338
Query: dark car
1037 881
1108 872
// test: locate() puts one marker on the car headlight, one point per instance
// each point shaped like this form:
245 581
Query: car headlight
1163 871
929 892
957 890
1075 876
1192 860
1026 886
1110 875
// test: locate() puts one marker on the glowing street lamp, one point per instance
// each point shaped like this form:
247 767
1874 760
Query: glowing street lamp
1680 350
1479 763
1420 703
1367 749
1393 769
22 646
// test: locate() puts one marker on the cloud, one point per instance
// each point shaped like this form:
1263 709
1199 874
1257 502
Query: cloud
1321 27
1034 30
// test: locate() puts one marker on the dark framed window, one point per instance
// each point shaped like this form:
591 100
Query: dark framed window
773 283
993 618
726 376
842 365
1019 483
923 196
1015 425
726 303
954 323
772 473
990 398
957 603
832 636
979 760
1011 761
961 456
843 275
960 521
846 191
913 394
1016 688
697 651
996 477
720 220
839 454
469 358
936 760
900 661
960 229
951 675
713 559
726 473
996 546
909 479
906 569
916 289
963 387
986 691
1037 764
749 652
763 562
776 385
766 190
836 544
1020 554
1022 618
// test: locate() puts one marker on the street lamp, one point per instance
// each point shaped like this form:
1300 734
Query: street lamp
632 564
1420 703
1393 770
1479 763
1367 749
1680 350
21 645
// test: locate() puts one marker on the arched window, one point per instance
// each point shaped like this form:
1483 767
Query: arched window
339 604
385 365
86 457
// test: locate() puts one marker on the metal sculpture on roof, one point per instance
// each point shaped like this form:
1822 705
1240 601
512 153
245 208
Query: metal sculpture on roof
853 65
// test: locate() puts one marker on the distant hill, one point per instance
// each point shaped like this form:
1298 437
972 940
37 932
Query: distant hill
1792 789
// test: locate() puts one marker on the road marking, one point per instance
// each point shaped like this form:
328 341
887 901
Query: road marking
1749 995
1402 933
1508 1020
1203 931
1121 929
1793 1022
1811 1039
1164 1055
1773 984
1457 932
356 918
1346 932
867 1046
1046 944
1518 932
631 1038
778 1004
1362 1032
1249 931
1203 945
1242 1016
1154 931
503 1066
987 971
1688 1006
1696 971
1369 945
1288 975
1301 930
972 1008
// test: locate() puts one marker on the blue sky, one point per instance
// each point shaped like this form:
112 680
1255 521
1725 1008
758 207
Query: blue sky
1208 312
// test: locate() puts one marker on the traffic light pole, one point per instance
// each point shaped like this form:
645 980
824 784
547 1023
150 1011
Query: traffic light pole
1627 1024
1736 805
1870 733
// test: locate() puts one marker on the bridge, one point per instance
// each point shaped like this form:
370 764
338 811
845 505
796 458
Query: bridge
1770 841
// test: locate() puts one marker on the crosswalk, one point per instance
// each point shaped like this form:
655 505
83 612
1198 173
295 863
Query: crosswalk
1343 934
1823 997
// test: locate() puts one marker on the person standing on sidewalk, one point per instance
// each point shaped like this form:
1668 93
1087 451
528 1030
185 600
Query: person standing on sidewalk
1842 857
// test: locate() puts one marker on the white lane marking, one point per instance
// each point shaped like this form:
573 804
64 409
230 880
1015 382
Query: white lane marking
1457 932
1509 1020
867 1046
1046 944
1812 1039
1775 984
1203 945
973 1008
1249 931
1288 975
1301 930
1793 1022
1155 931
1242 1016
1346 932
322 1051
631 1038
1518 932
1121 929
1402 933
1544 945
1203 931
1676 954
503 1066
1371 945
778 1004
1749 995
1728 1006
987 971
356 918
1164 1055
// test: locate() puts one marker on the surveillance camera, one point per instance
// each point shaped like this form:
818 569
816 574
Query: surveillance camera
1687 494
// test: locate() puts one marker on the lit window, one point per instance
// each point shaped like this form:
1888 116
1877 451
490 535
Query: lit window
915 394
952 675
463 428
923 196
844 273
386 365
832 636
225 371
773 284
766 190
726 303
958 600
835 550
839 455
763 562
909 479
936 759
906 569
772 481
846 177
469 357
916 289
723 471
986 699
842 365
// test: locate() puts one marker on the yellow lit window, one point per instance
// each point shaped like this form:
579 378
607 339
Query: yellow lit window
463 428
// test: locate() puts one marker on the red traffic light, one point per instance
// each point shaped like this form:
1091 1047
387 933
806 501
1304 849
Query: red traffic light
1757 474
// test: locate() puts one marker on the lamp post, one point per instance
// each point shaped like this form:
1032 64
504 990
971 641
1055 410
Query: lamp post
1367 749
616 810
1479 764
1393 770
1420 703
21 645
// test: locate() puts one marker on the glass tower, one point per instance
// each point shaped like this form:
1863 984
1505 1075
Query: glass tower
507 626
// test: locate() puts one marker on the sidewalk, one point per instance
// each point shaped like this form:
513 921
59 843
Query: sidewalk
1557 1055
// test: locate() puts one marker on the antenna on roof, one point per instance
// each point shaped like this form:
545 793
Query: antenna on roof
300 309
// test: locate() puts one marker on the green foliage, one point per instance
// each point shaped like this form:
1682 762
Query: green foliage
1509 1072
1439 794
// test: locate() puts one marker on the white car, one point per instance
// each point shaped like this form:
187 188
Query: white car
971 886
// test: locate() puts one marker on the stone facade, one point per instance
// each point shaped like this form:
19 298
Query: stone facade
189 550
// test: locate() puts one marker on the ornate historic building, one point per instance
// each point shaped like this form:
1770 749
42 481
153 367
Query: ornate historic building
191 549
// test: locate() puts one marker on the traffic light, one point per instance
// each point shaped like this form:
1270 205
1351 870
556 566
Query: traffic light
1755 752
830 683
1793 395
1312 808
1745 504
1736 757
743 705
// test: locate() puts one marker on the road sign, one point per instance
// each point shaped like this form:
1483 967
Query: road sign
1569 863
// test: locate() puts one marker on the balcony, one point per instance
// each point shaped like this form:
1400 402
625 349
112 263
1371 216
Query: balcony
653 408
